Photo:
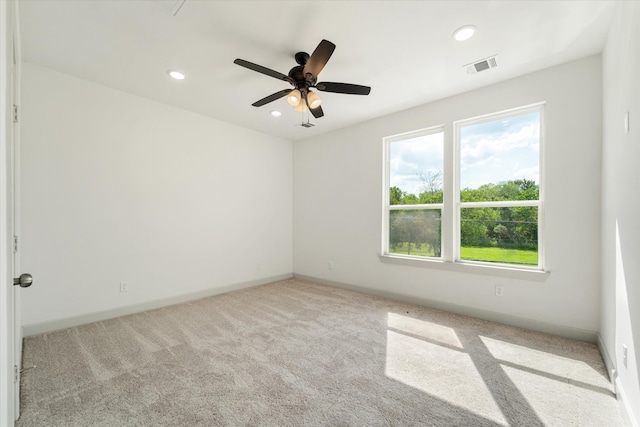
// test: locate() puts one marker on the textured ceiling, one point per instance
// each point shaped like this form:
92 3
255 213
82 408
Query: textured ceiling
403 50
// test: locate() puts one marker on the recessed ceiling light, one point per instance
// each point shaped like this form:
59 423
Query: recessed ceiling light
275 113
176 75
464 33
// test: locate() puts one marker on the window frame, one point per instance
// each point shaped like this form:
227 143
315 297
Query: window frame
457 127
388 207
451 206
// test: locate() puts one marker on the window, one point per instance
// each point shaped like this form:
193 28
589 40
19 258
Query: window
416 163
499 188
484 206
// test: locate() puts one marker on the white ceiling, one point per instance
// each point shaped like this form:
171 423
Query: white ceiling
402 49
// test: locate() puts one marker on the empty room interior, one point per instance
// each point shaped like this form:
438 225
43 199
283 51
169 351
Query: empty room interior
368 213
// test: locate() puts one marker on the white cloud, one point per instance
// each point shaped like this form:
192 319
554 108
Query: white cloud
532 173
412 157
492 153
482 148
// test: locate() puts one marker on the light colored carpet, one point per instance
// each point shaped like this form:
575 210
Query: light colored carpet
295 353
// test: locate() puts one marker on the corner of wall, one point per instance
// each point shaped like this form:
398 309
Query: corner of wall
608 361
69 322
620 299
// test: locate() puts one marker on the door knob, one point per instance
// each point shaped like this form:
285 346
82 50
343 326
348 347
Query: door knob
25 280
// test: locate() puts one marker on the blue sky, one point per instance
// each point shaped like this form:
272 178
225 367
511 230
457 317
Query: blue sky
490 152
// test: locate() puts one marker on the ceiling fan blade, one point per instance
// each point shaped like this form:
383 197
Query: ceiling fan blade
319 58
347 88
261 69
271 98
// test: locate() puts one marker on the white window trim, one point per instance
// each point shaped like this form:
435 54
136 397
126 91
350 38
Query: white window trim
457 126
450 208
468 267
416 207
386 185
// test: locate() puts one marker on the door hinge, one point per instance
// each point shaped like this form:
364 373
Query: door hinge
15 244
15 374
15 114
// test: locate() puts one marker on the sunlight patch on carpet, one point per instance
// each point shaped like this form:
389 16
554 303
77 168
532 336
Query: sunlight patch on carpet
420 328
548 364
557 403
440 371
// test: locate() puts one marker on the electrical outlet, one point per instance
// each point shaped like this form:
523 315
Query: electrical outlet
124 286
330 265
624 355
499 290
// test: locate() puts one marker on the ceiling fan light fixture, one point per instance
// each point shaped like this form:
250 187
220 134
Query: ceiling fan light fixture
464 33
294 98
300 108
314 100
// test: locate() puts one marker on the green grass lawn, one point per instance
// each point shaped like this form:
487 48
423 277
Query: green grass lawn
425 250
507 256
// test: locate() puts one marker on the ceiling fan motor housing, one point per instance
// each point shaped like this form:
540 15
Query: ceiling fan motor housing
302 58
300 80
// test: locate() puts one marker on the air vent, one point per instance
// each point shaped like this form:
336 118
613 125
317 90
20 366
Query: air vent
307 125
482 65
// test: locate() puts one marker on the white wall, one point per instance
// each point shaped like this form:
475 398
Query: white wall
117 187
621 203
338 203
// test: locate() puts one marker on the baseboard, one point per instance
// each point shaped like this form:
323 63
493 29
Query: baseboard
507 319
68 322
608 361
623 401
625 405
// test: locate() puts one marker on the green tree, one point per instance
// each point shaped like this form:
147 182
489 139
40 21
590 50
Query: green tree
410 199
395 196
475 224
431 187
514 226
416 229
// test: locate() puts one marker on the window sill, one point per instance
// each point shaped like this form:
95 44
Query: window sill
469 268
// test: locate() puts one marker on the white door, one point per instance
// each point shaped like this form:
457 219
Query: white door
7 329
15 141
10 334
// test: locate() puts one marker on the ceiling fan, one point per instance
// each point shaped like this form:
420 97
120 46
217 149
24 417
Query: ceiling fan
303 78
